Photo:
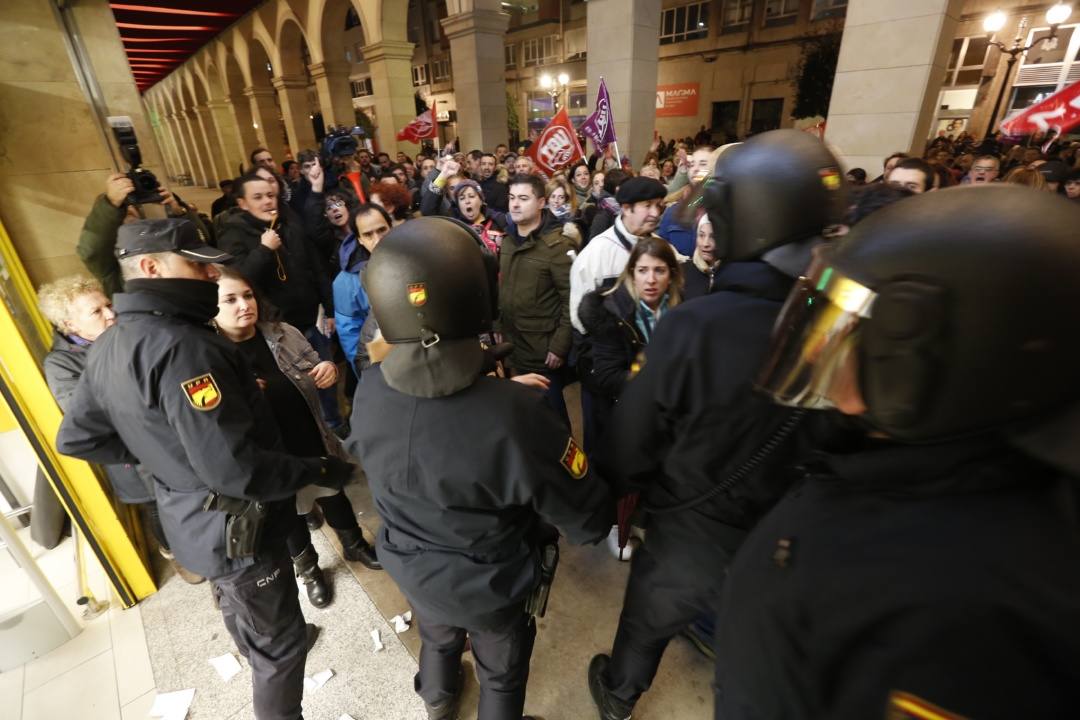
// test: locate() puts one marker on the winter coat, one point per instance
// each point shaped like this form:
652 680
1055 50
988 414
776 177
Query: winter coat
64 365
534 295
295 358
306 283
612 343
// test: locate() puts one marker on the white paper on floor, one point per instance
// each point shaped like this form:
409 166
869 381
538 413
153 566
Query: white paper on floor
317 680
173 705
401 622
346 716
226 665
375 639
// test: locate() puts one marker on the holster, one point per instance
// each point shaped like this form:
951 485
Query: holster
243 524
536 605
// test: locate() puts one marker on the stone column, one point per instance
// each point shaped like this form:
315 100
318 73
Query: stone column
476 52
624 41
264 115
186 156
292 94
198 165
215 157
228 132
390 62
892 64
335 93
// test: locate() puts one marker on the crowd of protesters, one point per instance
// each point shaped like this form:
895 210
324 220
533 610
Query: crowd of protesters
590 261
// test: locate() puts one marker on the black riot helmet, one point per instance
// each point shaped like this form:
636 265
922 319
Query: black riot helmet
431 279
776 188
952 312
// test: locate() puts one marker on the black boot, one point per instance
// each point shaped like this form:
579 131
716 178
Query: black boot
610 707
307 569
356 549
314 519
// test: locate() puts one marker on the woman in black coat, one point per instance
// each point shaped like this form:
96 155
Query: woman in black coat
619 321
699 270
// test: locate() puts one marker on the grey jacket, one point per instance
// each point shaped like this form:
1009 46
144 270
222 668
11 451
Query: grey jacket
295 357
64 365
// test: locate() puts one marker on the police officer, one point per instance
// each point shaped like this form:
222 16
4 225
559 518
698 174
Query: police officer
928 567
706 454
162 387
465 469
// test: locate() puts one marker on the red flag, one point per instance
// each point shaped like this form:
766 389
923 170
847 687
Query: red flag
423 127
556 147
1060 111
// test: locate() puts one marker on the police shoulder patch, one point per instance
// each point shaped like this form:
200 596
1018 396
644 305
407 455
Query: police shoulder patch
905 706
574 460
202 392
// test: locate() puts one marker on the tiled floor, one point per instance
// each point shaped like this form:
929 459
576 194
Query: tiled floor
103 673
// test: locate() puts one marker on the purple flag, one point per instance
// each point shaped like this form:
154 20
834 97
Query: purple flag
600 126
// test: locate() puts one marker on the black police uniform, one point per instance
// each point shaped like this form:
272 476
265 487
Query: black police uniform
929 581
162 387
684 423
463 484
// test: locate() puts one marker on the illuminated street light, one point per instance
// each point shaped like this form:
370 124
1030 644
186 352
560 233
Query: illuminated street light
995 21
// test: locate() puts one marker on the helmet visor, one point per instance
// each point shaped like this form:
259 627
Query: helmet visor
814 336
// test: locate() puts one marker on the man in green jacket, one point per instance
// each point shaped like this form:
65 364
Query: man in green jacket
97 240
534 292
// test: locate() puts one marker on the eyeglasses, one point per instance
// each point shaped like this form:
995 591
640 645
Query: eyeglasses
983 168
335 204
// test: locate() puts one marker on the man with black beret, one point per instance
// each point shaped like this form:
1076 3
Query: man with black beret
641 201
162 389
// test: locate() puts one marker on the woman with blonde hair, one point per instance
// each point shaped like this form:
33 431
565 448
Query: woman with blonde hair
79 312
1027 176
619 321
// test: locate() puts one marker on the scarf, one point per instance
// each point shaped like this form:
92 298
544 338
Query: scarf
194 299
646 318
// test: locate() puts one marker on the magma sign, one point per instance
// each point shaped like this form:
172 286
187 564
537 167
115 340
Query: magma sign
677 100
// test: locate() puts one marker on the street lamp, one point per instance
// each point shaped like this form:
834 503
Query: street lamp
993 22
554 87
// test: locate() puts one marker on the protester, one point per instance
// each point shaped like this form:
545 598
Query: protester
534 290
604 258
394 198
491 226
699 270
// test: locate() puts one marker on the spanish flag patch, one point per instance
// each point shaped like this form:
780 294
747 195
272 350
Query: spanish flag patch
905 706
202 392
417 294
574 460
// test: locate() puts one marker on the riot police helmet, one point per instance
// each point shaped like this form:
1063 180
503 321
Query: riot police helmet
431 279
779 187
949 314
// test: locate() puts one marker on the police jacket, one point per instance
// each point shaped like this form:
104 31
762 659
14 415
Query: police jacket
534 294
461 483
691 416
931 581
162 387
64 365
292 277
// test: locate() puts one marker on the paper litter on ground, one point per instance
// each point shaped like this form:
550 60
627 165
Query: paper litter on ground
317 680
375 639
401 622
226 665
172 705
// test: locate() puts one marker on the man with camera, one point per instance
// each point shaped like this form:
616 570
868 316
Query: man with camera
162 387
112 209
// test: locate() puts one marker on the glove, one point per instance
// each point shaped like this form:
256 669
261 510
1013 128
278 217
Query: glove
334 472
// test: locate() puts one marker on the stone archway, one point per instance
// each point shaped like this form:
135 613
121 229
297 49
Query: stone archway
291 80
265 112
